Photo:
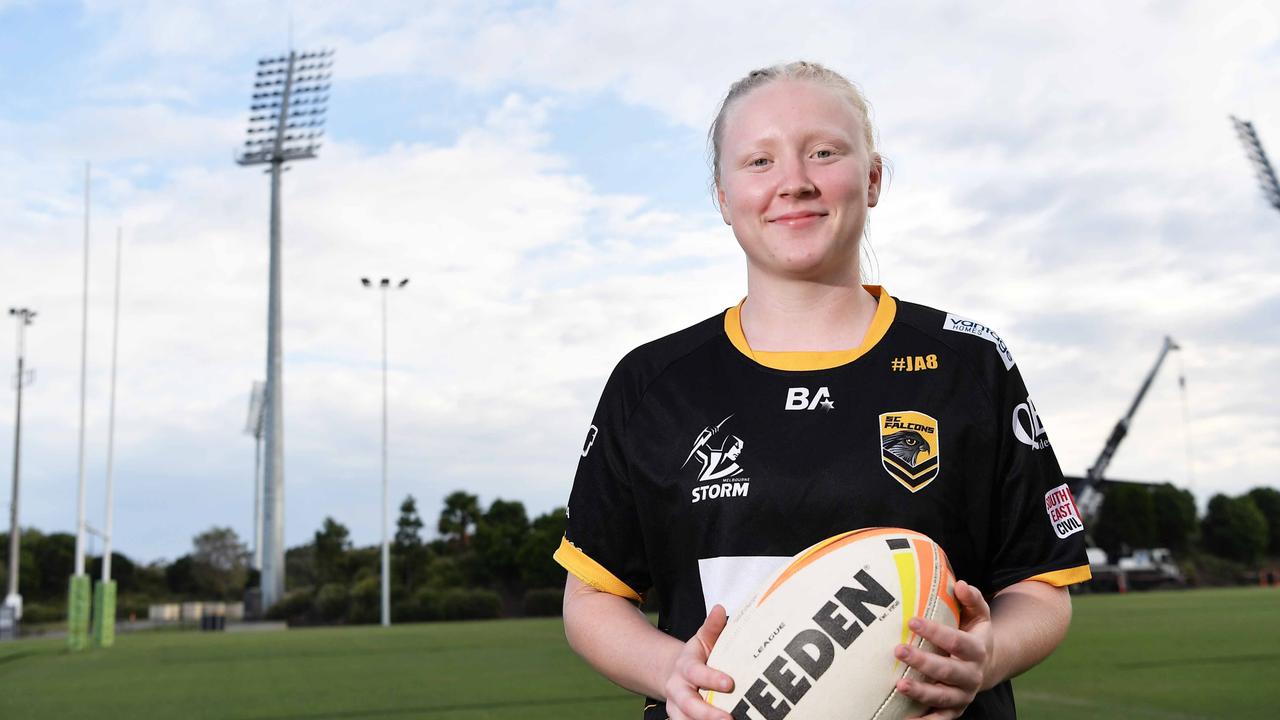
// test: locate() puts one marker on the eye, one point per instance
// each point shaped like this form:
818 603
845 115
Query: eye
824 153
911 441
759 162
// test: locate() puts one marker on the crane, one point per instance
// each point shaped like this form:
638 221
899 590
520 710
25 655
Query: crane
1090 497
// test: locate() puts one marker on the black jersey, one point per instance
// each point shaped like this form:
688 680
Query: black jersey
708 464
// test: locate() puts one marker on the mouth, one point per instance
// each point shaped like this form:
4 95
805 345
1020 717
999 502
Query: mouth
798 219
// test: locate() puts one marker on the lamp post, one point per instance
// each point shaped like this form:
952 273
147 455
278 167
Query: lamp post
288 106
384 285
12 598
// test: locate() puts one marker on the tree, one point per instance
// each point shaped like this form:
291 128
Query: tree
537 568
332 542
219 562
1234 528
408 553
461 510
1268 501
1175 516
499 535
1126 520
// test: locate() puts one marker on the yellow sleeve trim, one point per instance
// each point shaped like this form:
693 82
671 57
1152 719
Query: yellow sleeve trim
591 572
886 309
1062 578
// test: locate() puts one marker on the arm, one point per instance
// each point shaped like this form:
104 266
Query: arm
616 639
1023 624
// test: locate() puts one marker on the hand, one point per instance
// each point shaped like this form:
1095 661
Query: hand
953 678
689 674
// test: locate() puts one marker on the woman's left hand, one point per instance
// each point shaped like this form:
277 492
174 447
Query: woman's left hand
955 674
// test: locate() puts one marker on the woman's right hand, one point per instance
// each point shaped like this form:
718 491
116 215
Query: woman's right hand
689 674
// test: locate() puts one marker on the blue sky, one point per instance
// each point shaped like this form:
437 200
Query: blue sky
1067 175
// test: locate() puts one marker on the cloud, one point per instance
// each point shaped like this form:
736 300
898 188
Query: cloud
1066 175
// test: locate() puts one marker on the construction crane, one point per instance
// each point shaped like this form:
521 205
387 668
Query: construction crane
1090 498
1258 158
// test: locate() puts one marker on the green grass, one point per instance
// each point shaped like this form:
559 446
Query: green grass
1180 656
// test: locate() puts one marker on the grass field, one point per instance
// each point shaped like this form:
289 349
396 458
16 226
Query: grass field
1183 656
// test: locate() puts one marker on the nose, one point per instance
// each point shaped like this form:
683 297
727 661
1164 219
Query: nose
796 181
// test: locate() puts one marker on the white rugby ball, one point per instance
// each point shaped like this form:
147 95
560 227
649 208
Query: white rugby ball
816 641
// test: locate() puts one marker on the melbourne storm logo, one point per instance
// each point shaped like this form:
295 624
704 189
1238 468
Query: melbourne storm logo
910 448
718 450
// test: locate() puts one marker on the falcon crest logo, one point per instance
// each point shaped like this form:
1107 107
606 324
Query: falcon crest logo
910 448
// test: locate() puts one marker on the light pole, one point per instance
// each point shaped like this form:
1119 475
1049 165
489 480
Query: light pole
12 599
384 285
104 597
289 101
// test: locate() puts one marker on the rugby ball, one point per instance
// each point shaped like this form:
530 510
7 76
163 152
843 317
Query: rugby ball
816 640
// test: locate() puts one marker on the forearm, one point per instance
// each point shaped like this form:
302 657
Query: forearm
616 639
1028 620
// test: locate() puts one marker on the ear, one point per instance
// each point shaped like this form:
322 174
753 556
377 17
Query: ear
876 175
723 201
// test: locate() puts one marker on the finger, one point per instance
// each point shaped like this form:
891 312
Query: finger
701 676
972 601
933 695
948 714
959 673
711 628
950 640
698 709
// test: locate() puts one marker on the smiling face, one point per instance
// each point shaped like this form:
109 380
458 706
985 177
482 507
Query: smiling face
796 179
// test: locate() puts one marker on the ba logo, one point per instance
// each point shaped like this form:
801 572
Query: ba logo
798 399
910 448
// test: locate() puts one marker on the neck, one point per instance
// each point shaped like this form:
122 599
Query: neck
814 316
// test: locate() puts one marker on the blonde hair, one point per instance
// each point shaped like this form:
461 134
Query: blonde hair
799 70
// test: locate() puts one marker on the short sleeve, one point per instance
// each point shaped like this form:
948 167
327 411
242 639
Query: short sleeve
1039 530
603 546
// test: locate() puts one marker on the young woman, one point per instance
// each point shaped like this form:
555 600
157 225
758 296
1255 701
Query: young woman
817 405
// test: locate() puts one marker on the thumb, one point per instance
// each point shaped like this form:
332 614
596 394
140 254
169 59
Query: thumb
711 628
975 606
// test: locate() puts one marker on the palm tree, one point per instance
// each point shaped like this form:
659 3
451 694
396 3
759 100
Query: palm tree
461 510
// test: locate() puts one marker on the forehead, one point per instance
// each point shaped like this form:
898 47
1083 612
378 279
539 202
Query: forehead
786 108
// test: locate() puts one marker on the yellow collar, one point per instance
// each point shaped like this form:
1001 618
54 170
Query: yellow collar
813 360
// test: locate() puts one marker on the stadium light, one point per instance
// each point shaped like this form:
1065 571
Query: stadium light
13 599
286 123
384 285
1258 158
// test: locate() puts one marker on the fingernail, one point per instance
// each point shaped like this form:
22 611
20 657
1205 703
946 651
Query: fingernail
901 652
915 624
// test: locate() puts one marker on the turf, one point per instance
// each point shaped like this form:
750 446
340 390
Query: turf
1183 656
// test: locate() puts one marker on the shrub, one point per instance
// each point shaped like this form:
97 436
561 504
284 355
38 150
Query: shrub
544 602
294 607
457 604
331 602
365 597
37 613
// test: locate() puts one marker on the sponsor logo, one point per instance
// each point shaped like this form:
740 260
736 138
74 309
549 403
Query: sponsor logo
910 448
718 451
1062 511
955 323
811 650
798 399
914 363
1027 427
591 440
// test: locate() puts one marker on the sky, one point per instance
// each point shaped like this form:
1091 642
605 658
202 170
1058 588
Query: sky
1066 175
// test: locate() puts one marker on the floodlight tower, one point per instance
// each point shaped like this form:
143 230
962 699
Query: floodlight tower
1258 157
12 599
384 285
286 124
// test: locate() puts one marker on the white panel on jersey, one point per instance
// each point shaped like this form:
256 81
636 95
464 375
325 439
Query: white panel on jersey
730 581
